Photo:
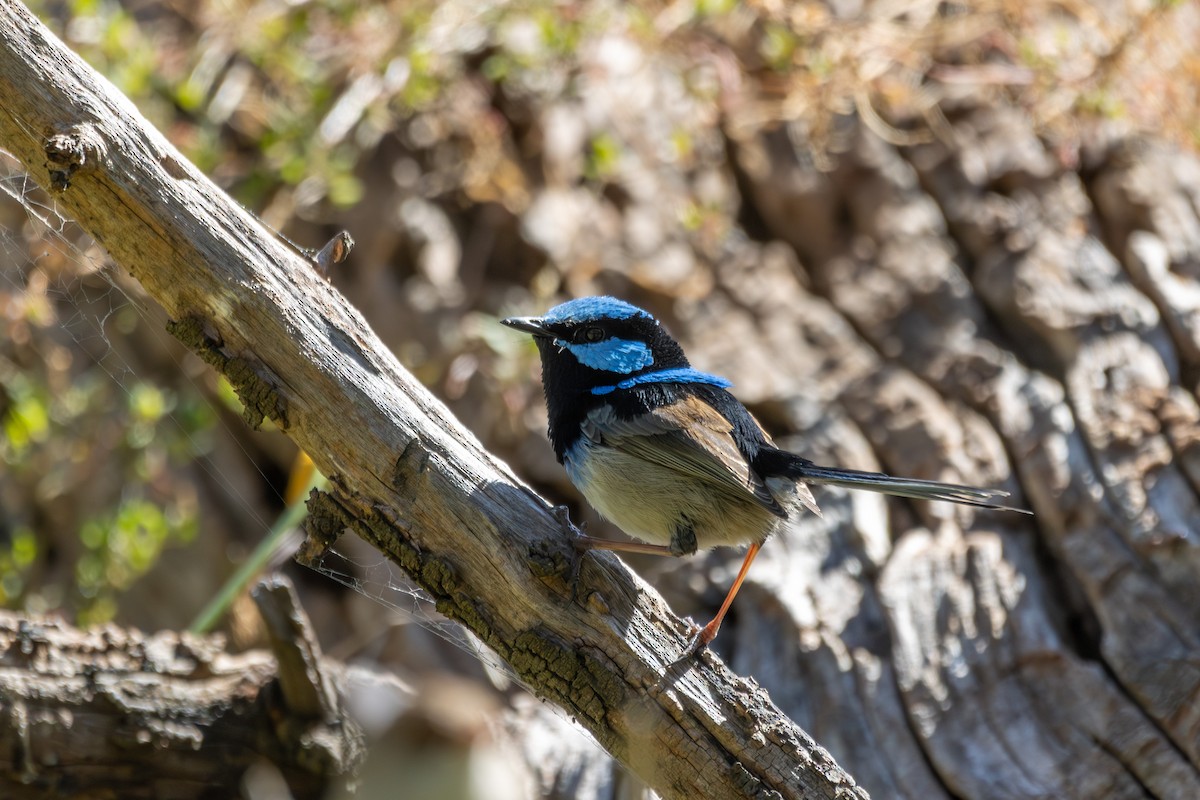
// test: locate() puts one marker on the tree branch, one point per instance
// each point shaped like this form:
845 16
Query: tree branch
112 710
407 476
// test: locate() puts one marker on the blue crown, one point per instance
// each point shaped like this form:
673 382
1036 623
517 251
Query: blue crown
590 309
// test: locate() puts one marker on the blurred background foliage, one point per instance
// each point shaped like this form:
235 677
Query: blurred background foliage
489 158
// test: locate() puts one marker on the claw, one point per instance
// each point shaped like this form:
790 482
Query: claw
698 642
563 515
579 544
576 566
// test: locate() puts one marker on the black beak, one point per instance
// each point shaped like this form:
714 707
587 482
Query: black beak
533 325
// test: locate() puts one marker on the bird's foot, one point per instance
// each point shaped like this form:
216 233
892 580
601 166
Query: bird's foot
549 559
699 641
563 515
579 545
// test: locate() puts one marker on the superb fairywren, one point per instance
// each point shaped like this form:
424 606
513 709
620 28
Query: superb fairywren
666 453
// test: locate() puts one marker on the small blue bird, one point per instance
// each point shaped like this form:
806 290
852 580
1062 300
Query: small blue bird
666 453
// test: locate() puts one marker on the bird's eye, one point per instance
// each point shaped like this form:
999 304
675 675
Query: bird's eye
592 334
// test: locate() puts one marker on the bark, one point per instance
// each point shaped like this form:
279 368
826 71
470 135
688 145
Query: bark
408 477
113 712
982 302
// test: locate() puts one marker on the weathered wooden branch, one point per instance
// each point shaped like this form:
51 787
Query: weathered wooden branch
111 711
408 477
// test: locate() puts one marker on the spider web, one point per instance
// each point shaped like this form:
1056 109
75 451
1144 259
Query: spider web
382 582
88 296
92 304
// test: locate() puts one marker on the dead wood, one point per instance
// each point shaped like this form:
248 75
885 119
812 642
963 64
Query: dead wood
113 712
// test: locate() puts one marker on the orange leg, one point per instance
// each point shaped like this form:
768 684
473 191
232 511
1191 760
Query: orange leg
585 543
709 631
592 543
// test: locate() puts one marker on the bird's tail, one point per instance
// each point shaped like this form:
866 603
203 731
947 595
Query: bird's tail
808 472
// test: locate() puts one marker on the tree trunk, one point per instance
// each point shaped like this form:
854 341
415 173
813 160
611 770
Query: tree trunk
1036 316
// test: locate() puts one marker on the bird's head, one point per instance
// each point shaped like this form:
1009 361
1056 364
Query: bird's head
594 343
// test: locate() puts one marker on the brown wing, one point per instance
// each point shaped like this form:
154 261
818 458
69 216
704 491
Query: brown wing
687 436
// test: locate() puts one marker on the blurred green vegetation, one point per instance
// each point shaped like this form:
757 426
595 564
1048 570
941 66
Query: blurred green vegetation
54 445
71 432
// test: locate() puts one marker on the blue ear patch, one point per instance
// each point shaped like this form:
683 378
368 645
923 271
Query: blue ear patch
675 375
611 355
591 309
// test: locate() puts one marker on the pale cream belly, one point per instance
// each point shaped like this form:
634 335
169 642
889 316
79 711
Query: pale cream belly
649 502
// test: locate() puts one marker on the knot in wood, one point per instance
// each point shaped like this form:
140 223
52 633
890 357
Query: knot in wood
80 148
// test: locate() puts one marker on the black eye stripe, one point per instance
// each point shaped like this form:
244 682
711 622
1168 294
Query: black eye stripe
595 331
588 334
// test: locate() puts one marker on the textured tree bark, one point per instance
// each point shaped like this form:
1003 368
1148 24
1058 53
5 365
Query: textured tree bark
408 477
980 302
114 712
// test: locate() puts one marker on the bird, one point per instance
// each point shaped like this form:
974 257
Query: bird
668 454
